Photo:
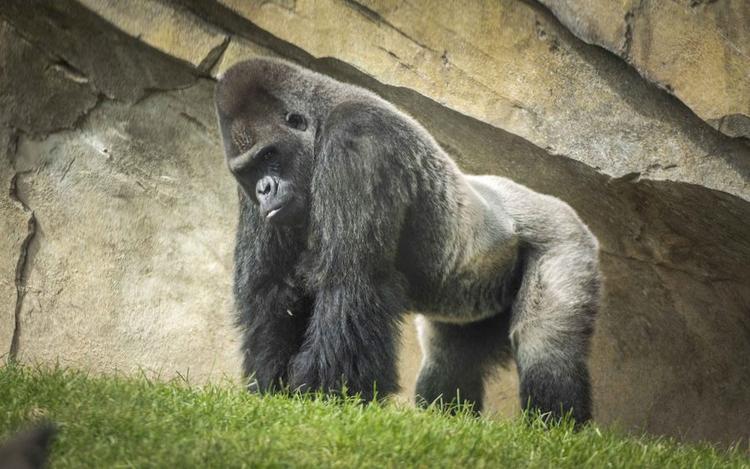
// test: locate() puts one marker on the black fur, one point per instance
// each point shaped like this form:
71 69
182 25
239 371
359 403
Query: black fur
557 390
351 214
466 356
29 449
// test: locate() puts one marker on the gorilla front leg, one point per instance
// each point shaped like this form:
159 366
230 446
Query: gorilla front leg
360 191
273 327
352 340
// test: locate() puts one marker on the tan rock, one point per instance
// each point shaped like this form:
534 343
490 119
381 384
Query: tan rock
697 50
601 22
164 26
701 54
132 259
239 49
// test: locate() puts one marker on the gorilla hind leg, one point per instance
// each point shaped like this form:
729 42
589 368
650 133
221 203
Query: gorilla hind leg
551 329
457 358
554 389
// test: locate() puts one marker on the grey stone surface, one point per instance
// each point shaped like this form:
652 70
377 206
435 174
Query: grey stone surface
37 95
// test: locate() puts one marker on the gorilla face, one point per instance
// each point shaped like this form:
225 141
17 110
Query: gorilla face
269 150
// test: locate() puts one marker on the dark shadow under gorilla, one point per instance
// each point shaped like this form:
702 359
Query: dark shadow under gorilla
351 215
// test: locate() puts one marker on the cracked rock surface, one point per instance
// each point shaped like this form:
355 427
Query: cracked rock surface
120 215
132 254
698 50
16 226
65 96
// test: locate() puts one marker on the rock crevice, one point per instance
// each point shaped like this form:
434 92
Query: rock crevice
21 273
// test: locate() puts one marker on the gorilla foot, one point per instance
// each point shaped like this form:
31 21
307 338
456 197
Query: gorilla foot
557 391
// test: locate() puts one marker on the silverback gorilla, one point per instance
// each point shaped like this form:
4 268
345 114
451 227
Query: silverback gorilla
351 215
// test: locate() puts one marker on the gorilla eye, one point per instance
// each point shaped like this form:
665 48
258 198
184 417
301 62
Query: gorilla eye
296 121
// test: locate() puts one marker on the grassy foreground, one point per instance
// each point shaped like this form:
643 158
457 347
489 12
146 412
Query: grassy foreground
134 422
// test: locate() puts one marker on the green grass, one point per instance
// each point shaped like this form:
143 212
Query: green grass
136 422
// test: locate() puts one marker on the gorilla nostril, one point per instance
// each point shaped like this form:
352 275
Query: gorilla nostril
264 189
265 186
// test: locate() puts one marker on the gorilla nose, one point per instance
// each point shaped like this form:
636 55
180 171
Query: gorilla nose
265 187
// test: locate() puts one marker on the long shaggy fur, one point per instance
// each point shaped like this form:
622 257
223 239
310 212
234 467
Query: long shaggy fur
388 223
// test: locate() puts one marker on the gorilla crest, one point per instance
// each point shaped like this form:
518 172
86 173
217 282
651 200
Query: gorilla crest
351 214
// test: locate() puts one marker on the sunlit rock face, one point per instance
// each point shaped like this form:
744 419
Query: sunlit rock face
698 50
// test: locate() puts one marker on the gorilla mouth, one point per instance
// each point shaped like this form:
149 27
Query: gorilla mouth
276 210
273 212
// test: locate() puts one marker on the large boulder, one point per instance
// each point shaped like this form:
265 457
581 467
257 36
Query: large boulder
131 259
698 50
126 261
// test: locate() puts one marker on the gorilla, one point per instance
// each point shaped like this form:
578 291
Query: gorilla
351 214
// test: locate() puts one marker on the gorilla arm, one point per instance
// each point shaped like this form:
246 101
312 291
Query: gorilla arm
360 192
272 312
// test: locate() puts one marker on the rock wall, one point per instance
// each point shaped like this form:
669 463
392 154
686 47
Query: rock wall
698 50
119 213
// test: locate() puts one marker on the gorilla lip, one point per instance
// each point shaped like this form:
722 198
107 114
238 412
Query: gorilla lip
273 212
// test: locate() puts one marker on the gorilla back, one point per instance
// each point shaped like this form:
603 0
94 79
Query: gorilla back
351 214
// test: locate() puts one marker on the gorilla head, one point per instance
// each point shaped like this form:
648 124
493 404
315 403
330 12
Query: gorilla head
268 144
351 214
